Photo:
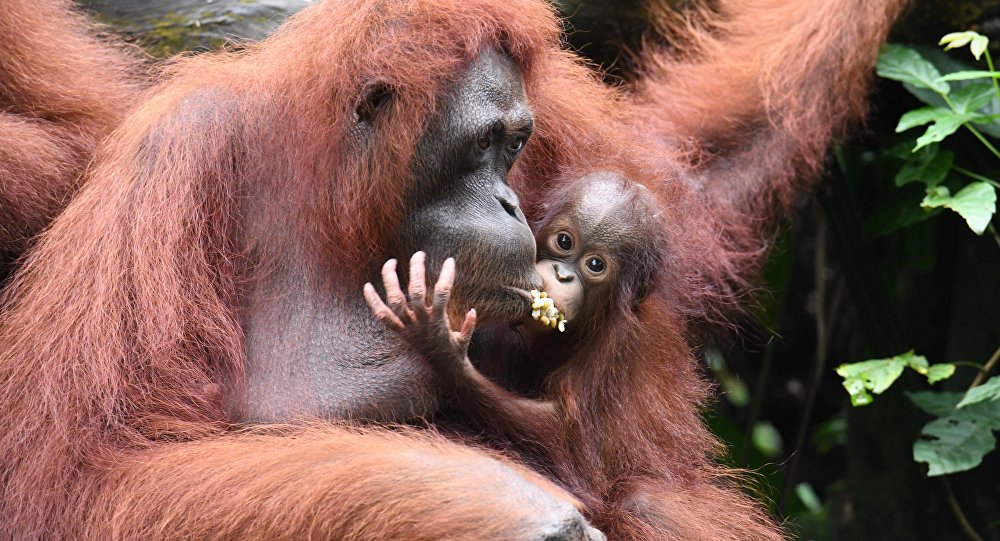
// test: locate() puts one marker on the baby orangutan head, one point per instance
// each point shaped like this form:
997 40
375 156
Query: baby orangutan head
599 245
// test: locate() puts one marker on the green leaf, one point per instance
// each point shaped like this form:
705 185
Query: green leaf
940 129
979 43
876 375
989 391
954 444
766 438
928 165
899 209
919 117
944 63
976 202
970 74
972 97
959 438
809 498
956 39
906 65
979 46
940 372
936 403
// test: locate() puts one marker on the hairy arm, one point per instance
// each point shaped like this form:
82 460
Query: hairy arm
529 421
706 509
61 92
322 482
427 329
759 97
39 170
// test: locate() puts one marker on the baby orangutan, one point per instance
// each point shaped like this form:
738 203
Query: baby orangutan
598 248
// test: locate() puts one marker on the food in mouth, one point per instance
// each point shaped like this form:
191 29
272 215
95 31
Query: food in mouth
545 311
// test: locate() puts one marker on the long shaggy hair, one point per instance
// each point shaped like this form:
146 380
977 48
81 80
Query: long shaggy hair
122 333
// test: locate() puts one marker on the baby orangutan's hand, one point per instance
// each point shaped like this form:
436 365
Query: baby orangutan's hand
424 326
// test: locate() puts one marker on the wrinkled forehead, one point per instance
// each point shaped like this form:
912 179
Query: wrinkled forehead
492 86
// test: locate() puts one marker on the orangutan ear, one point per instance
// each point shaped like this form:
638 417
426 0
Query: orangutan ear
374 101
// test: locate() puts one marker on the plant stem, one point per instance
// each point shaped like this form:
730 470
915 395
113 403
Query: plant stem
758 400
822 338
982 139
970 364
989 62
970 127
967 528
993 231
976 176
986 368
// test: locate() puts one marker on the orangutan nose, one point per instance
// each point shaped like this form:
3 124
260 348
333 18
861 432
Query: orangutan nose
564 275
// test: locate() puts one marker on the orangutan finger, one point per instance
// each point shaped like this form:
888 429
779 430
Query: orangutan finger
442 289
382 312
418 285
393 294
468 326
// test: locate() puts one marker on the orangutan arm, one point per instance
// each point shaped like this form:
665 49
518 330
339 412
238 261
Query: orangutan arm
323 482
62 90
38 173
761 94
697 510
533 422
426 327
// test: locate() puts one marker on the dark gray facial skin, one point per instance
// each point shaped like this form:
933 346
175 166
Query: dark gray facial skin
313 351
461 206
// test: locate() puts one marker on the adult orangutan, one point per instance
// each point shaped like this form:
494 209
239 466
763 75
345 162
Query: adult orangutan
207 277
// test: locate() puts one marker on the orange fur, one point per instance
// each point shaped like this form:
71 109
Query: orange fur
61 92
121 335
754 102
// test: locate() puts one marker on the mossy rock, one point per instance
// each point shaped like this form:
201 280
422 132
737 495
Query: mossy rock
167 27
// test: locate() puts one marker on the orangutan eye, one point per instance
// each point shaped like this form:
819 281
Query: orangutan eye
516 145
483 141
564 241
595 265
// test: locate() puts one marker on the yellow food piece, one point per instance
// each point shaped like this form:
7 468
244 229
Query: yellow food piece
544 310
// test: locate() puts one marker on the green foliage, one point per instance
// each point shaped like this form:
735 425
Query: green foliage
977 202
968 75
907 66
766 439
975 41
960 436
929 165
968 105
987 392
877 375
961 432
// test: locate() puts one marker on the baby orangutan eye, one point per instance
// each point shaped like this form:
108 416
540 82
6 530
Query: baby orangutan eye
595 265
564 241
